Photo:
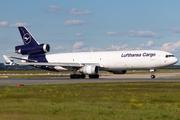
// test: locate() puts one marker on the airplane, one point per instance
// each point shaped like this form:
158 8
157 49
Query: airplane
8 61
90 63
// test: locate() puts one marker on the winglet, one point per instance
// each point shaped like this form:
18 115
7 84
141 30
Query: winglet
27 38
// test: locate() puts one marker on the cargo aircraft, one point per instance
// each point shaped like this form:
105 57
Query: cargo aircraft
89 63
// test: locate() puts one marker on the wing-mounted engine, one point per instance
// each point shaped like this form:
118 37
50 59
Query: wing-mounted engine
89 69
30 50
119 72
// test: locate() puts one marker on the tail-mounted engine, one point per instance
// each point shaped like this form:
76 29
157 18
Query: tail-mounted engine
29 49
89 69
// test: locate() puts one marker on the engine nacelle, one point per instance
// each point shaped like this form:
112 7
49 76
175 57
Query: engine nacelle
89 69
119 72
29 50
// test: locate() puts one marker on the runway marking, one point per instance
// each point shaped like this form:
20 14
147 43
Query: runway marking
3 76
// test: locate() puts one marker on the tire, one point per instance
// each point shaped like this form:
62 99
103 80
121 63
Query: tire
76 76
72 76
96 76
83 76
152 76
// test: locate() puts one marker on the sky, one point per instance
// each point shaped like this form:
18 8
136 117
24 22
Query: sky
92 25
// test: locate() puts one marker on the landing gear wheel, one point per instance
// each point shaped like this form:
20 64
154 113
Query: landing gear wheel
152 73
152 76
74 76
71 76
83 76
96 76
77 76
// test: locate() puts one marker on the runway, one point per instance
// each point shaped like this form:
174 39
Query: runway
166 77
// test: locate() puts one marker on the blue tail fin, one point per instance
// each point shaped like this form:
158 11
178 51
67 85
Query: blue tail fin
27 38
31 46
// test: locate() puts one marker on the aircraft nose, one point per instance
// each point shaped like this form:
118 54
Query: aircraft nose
172 61
176 60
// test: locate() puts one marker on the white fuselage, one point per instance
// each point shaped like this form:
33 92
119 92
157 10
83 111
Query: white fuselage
118 60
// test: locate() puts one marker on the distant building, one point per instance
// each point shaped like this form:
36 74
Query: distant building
173 67
20 67
2 66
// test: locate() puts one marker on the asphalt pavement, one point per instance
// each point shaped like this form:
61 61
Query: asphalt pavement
166 77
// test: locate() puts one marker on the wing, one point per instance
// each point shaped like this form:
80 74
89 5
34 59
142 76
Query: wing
51 64
56 65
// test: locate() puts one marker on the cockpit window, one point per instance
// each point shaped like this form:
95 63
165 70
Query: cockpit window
167 56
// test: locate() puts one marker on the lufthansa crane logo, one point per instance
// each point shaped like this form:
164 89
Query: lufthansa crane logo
27 38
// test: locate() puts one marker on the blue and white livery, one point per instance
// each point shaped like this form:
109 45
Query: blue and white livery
89 63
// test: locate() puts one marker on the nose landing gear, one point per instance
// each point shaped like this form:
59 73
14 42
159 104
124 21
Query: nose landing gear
152 73
152 76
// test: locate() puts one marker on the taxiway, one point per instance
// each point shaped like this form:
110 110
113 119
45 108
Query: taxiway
166 77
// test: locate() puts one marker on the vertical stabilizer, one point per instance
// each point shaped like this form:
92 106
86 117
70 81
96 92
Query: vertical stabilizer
31 47
27 38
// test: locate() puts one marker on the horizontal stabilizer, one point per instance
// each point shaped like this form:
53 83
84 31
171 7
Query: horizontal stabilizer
23 59
7 59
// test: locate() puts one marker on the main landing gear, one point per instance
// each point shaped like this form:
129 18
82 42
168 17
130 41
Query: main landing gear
95 76
77 76
82 76
152 73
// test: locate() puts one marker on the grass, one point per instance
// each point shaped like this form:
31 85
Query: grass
103 101
178 77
